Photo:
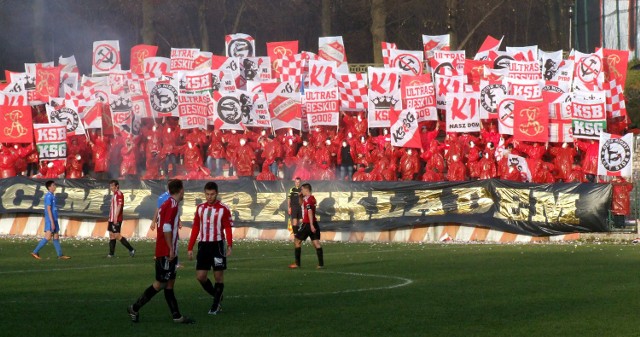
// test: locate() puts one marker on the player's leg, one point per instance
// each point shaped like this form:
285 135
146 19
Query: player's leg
315 240
219 266
118 236
112 239
42 243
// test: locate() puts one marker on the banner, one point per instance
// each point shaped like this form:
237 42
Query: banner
406 61
239 45
156 66
431 43
232 110
277 51
505 110
68 115
531 120
560 120
490 44
106 57
196 82
255 69
519 208
404 129
462 113
322 74
16 124
183 58
418 93
524 53
383 95
525 89
47 83
92 114
194 109
322 107
386 48
521 164
525 70
490 93
121 114
615 65
331 48
589 71
14 99
589 114
449 63
616 155
550 62
446 85
285 109
163 96
260 112
51 140
138 54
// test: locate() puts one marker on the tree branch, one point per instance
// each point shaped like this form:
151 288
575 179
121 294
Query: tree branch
472 31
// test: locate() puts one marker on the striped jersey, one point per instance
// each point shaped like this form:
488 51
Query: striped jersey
212 222
168 220
309 204
117 204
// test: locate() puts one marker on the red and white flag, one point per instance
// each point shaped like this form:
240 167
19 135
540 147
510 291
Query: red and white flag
531 121
406 61
387 47
156 66
16 124
560 119
322 106
490 44
183 58
589 114
47 83
322 74
278 51
331 48
286 110
445 85
615 65
292 70
448 63
353 91
51 140
138 54
616 106
68 64
233 110
92 115
526 53
418 93
106 57
432 43
404 129
13 99
589 71
525 70
525 89
616 155
240 45
462 113
163 97
505 109
68 114
194 110
383 95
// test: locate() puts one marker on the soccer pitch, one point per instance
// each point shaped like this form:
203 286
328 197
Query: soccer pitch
367 289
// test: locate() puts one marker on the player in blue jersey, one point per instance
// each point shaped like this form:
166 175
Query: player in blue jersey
51 226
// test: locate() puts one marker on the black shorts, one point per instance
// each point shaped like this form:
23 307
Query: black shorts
295 229
305 232
212 255
296 212
165 269
114 227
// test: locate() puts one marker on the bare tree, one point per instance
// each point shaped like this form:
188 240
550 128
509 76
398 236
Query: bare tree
39 23
202 21
378 27
148 30
326 17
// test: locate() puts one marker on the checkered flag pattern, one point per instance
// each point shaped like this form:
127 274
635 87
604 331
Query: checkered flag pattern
386 52
291 70
615 103
353 91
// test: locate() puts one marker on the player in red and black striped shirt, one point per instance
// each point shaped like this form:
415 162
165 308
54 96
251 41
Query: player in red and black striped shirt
309 227
212 227
166 257
115 220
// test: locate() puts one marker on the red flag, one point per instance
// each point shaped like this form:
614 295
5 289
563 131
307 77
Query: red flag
474 70
404 128
138 54
47 83
16 124
531 121
615 65
277 51
93 115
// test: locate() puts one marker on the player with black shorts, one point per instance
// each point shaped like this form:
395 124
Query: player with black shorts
166 257
309 228
295 212
212 227
115 220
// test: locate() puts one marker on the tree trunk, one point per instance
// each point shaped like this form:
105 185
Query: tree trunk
378 28
452 23
236 22
326 17
477 25
39 13
202 20
148 30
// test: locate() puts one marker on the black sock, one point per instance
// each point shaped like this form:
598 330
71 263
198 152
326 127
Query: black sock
217 294
144 298
320 256
298 253
125 243
208 287
172 302
112 246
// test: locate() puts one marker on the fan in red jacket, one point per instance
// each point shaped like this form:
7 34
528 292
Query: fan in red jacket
8 158
563 157
409 165
245 158
193 162
266 174
589 157
512 173
457 171
432 175
487 167
620 206
128 166
100 153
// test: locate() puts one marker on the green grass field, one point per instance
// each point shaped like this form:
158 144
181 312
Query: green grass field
367 289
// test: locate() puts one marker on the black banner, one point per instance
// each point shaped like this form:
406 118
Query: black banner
521 208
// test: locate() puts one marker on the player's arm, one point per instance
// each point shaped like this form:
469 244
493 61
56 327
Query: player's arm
50 215
312 226
154 220
289 202
118 207
167 231
227 224
195 230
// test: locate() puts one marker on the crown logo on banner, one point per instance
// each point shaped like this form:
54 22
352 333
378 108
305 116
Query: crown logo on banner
121 105
384 102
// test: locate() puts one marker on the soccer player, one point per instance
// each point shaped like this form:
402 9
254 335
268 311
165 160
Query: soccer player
161 199
309 227
211 226
115 220
166 257
51 226
295 212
